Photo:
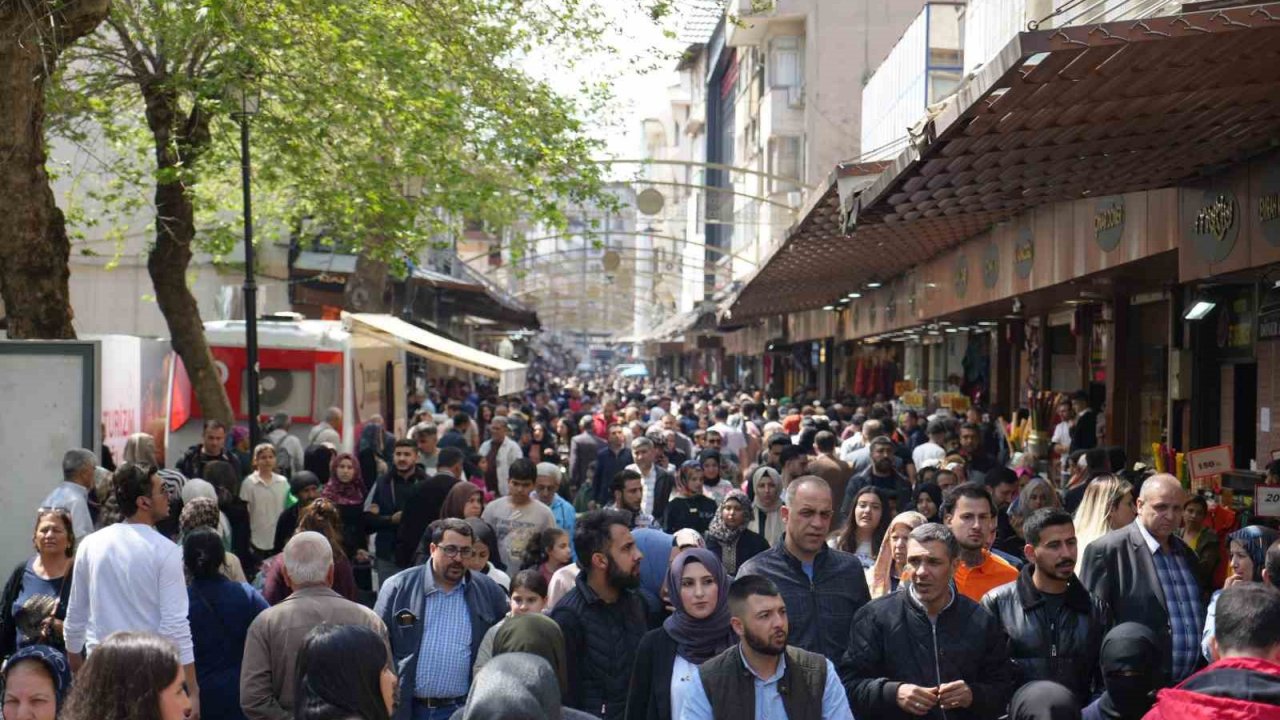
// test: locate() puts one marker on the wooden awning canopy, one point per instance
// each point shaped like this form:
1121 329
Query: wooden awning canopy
1059 114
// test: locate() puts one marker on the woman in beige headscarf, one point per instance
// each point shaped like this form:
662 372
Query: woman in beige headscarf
884 576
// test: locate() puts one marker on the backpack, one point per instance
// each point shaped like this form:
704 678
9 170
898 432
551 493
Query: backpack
284 461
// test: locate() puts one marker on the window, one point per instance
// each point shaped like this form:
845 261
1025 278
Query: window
786 68
785 162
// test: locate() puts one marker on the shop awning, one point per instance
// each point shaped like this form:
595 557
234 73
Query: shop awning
1059 114
413 339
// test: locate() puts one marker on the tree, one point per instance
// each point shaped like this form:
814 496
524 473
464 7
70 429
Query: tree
34 248
360 95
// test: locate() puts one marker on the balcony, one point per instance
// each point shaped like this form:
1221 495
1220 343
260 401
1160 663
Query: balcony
754 22
989 25
923 68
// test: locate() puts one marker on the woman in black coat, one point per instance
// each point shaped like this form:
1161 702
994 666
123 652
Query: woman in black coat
728 537
668 656
690 508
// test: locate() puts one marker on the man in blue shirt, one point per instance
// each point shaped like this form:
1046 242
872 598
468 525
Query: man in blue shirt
779 682
436 615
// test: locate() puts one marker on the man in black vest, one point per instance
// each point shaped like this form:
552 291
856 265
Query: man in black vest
789 682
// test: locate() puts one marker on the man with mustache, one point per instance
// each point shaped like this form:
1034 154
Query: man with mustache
1055 628
927 650
436 615
762 676
603 617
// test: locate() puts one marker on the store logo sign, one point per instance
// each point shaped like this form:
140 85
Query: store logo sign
1269 205
1216 225
1024 253
1108 222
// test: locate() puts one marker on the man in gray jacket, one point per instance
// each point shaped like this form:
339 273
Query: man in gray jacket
436 615
276 636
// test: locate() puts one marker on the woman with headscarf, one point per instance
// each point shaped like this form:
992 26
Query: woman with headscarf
536 634
928 501
346 490
766 510
668 656
689 508
36 681
728 536
886 574
1044 700
197 488
202 513
1128 673
1247 557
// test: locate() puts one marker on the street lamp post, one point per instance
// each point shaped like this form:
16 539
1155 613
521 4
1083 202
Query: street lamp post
245 100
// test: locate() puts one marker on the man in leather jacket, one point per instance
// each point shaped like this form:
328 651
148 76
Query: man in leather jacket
927 650
1055 628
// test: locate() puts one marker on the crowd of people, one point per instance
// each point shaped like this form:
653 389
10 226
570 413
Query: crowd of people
650 551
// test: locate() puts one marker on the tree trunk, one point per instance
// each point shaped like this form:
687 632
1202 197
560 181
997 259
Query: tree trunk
34 250
179 140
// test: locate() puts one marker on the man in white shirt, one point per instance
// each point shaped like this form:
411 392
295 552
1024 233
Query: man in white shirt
934 449
500 451
517 518
1062 431
129 577
72 494
733 441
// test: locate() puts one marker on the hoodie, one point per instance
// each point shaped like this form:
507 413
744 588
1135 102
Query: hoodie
1234 688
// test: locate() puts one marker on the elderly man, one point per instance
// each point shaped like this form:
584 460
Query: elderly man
1146 575
327 430
547 490
72 494
438 613
658 483
499 451
427 438
823 588
276 636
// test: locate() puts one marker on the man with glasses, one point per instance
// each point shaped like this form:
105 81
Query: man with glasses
436 615
129 578
516 518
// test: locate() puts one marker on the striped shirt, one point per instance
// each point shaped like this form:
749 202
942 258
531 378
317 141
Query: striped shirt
444 657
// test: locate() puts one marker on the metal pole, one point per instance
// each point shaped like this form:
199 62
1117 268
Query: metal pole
250 289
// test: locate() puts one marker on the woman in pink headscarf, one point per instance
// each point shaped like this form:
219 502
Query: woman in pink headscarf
346 490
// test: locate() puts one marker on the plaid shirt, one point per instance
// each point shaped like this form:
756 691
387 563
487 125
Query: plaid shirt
444 657
1182 600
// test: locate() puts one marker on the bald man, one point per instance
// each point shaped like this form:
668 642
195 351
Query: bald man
1147 575
822 587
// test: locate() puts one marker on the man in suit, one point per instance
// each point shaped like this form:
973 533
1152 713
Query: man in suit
614 457
583 449
1084 434
658 483
1147 575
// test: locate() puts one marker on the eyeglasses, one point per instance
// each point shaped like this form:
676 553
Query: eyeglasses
454 551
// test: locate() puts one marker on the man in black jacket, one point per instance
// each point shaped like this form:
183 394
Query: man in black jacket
823 588
384 507
1146 575
603 617
882 473
422 507
927 646
614 457
1055 628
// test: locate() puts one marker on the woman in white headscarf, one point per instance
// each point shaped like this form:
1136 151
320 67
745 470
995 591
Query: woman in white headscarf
766 510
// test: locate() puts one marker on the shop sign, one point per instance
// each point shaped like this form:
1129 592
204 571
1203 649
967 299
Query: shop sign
1216 225
1108 222
325 281
1236 324
1269 205
990 265
1266 501
912 399
1024 253
1208 463
962 275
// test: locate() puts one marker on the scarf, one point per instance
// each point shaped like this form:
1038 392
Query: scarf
699 640
882 572
340 493
54 662
726 536
1127 671
538 635
1255 539
1044 700
935 494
